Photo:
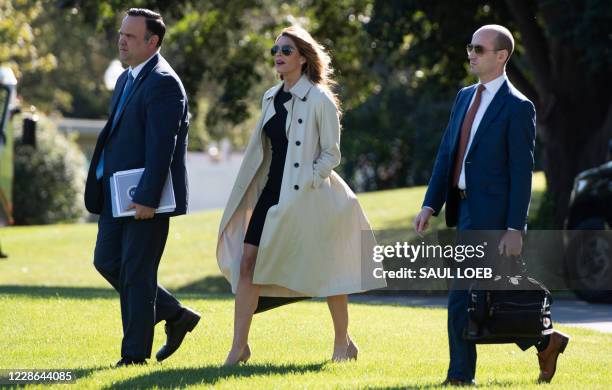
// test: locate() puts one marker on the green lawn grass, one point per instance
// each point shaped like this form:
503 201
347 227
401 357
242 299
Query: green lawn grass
57 312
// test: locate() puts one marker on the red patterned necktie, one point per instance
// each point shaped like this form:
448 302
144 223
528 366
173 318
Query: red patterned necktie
466 129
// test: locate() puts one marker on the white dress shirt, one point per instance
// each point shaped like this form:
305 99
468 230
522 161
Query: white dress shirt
487 96
139 67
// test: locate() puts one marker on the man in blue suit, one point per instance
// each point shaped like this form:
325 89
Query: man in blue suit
147 128
483 174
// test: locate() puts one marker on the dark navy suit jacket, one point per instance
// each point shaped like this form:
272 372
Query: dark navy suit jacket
150 133
498 165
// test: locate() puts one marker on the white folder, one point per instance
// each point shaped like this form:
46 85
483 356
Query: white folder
123 185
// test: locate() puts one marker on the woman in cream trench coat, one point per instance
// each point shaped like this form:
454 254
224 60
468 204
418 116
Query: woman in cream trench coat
313 240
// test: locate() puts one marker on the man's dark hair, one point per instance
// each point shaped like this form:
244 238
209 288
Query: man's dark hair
154 21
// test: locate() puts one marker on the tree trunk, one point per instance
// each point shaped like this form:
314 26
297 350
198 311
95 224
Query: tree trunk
573 105
570 146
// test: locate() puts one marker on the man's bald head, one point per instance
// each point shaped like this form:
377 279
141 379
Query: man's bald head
502 38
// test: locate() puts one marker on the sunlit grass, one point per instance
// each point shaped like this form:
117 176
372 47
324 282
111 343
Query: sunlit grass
58 312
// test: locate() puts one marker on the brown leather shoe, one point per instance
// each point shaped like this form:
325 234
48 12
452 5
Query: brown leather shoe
548 357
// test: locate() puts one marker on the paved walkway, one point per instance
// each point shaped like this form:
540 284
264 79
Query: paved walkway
210 183
565 311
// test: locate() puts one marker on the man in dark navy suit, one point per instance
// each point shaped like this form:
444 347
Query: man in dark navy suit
147 128
483 174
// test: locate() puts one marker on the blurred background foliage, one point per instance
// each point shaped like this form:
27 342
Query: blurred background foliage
48 178
399 64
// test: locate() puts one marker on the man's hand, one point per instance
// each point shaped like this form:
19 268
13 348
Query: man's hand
421 222
142 212
511 243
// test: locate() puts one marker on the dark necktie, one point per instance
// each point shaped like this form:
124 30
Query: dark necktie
466 129
126 92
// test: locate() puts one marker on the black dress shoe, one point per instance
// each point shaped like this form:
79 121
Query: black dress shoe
125 362
457 383
176 331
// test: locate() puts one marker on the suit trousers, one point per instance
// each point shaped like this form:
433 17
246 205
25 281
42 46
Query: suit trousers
127 255
462 364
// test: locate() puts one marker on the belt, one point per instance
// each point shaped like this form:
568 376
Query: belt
462 194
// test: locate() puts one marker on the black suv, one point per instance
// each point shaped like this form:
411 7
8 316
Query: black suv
588 256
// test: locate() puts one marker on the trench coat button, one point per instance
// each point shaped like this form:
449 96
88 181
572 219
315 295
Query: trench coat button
300 120
298 143
296 187
296 165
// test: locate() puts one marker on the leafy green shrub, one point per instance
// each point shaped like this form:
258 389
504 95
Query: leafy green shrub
49 179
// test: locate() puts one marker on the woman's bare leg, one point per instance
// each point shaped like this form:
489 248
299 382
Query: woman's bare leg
338 307
247 296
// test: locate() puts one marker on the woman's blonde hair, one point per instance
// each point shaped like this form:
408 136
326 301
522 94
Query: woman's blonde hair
318 63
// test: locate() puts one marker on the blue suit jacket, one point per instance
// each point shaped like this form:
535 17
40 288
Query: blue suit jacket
151 132
498 165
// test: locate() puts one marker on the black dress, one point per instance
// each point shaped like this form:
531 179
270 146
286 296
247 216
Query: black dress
275 131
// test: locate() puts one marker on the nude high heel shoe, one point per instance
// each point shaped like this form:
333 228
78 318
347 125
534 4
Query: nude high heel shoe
244 357
350 353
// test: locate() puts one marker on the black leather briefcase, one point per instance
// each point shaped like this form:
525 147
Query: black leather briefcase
508 309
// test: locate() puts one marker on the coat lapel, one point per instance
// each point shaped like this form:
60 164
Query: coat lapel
269 109
299 91
496 104
117 94
106 130
258 136
253 157
289 107
141 76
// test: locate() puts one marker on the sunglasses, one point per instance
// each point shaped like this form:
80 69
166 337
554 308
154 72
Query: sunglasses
478 49
285 50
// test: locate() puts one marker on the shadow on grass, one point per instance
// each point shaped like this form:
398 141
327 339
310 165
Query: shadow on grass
49 292
209 375
83 373
208 285
438 385
59 292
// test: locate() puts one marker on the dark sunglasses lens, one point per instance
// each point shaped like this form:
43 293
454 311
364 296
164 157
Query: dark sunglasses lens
274 50
477 48
286 50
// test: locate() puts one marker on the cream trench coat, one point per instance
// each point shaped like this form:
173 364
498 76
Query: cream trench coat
313 239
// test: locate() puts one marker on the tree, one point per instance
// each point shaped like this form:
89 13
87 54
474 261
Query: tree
568 47
18 37
217 48
74 86
562 63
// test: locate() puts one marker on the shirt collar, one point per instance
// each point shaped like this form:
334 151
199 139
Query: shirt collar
494 85
139 67
301 88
